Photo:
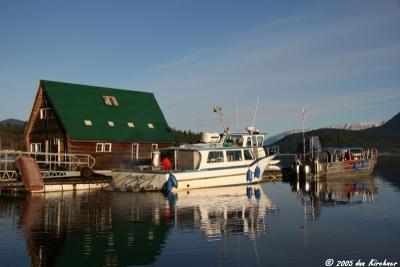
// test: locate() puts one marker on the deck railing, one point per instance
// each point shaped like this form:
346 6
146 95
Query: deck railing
50 164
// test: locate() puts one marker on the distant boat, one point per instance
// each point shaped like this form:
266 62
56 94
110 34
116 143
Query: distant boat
336 160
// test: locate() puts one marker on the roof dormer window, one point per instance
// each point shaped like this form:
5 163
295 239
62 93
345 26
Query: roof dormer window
130 124
110 100
150 125
88 122
111 123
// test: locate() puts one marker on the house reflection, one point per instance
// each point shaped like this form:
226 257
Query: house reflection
115 228
91 229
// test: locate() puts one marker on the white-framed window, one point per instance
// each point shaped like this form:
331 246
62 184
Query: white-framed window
99 147
215 156
47 113
35 147
88 122
247 154
130 124
110 100
111 123
103 147
234 155
135 151
150 125
107 147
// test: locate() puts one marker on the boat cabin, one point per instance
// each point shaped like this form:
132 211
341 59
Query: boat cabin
245 139
199 158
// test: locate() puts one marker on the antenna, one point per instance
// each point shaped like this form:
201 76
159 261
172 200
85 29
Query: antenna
218 110
255 111
237 115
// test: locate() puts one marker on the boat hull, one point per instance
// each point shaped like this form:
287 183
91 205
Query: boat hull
156 180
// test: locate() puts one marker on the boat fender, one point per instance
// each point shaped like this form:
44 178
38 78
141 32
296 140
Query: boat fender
249 175
171 182
249 192
356 167
257 193
257 172
364 163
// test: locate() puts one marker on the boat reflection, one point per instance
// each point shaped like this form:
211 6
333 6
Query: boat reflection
222 210
115 228
318 192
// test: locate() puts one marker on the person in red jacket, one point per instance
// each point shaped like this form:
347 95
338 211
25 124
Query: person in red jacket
166 163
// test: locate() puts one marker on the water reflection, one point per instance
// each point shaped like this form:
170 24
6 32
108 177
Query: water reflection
318 192
222 210
109 228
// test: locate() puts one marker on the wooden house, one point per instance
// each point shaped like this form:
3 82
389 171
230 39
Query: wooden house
114 126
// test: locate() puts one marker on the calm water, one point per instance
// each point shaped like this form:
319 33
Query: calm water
301 223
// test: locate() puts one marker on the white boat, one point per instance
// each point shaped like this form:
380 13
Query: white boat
220 160
195 166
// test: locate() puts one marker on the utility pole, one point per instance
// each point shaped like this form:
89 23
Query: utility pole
304 139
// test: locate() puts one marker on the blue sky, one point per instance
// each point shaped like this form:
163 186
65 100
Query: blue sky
338 59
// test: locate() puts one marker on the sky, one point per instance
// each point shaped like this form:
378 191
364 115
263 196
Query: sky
340 60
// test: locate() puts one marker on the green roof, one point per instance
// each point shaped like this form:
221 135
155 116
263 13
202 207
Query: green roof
75 103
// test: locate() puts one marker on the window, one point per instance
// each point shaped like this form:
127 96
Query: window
99 147
215 156
247 155
35 147
248 143
107 147
135 151
254 139
47 113
103 147
110 123
150 125
234 155
260 140
130 124
110 100
88 122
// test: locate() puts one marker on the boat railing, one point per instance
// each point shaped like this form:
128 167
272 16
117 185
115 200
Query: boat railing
49 163
273 150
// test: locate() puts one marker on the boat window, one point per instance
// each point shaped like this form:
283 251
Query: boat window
248 143
215 156
247 155
260 141
254 139
234 155
240 141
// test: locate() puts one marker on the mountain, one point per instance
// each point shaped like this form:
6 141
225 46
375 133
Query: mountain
277 137
345 126
357 126
386 138
13 122
392 126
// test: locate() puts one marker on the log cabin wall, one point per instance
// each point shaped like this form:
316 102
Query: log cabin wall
44 128
120 156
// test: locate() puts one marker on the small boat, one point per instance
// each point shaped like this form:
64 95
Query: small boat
341 161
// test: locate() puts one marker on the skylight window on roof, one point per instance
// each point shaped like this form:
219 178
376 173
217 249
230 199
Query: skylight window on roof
150 125
88 122
111 123
130 124
110 100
